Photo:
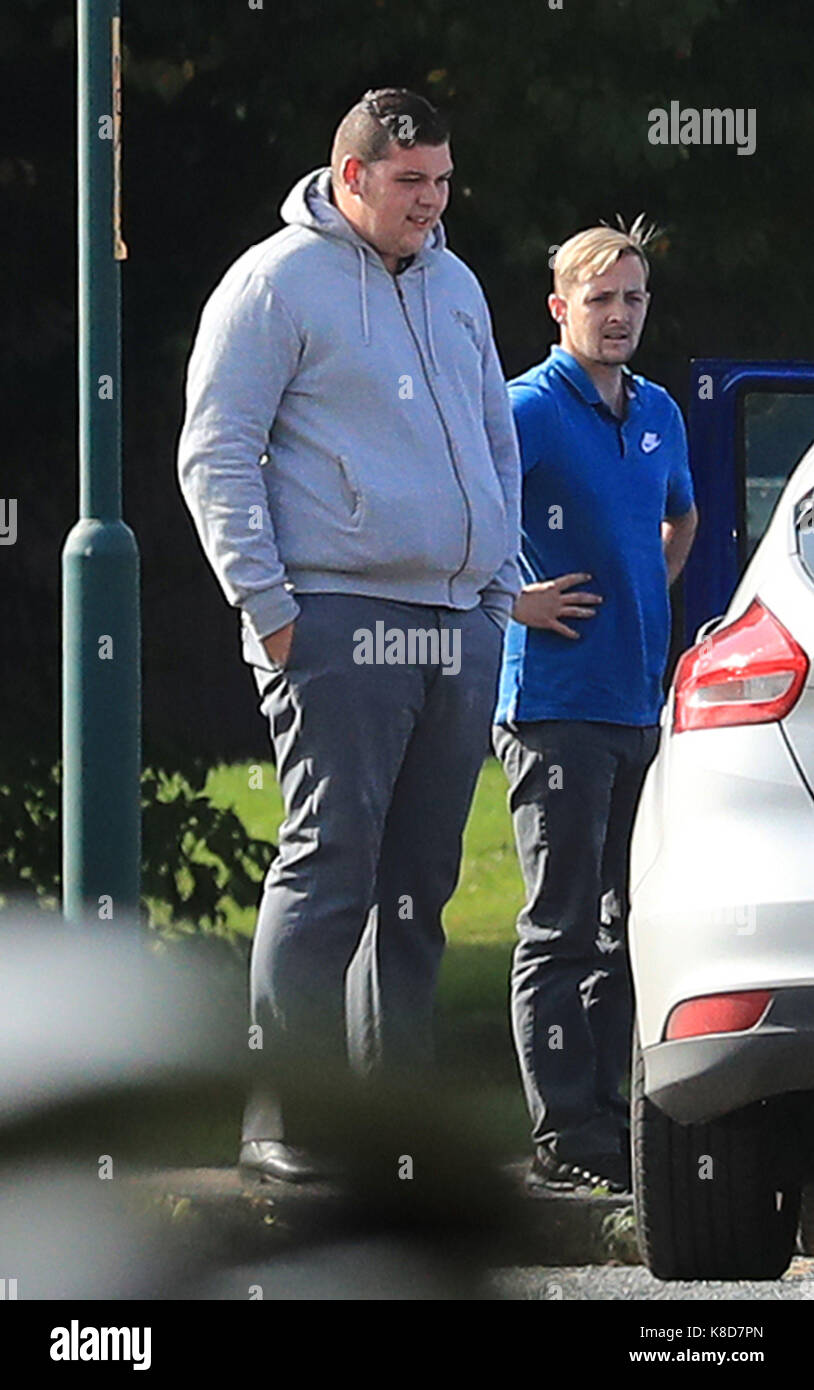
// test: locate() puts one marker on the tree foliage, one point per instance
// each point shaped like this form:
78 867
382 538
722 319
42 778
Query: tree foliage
195 855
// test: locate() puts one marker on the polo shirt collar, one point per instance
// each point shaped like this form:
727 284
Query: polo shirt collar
569 367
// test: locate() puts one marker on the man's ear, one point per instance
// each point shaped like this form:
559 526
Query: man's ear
351 173
558 308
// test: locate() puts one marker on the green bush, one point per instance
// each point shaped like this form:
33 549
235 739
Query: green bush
30 846
196 857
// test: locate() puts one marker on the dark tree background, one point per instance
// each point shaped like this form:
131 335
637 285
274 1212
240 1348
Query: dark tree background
224 107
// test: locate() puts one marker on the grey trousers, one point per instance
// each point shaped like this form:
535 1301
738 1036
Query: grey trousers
377 764
573 791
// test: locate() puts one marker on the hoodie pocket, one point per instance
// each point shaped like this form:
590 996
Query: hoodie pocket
350 489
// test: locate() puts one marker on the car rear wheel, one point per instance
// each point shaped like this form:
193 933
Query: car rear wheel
806 1232
710 1200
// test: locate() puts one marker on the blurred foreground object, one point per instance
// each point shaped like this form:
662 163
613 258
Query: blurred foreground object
120 1055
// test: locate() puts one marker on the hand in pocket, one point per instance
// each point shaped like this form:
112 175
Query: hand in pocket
278 644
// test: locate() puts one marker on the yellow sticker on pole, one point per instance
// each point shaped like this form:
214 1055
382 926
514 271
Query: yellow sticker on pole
119 246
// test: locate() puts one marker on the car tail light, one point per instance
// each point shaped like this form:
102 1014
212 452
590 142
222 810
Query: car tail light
750 672
717 1013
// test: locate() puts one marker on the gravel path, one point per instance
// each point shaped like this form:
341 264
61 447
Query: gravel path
625 1282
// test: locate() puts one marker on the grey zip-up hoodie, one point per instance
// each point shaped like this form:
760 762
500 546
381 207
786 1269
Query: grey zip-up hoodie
348 431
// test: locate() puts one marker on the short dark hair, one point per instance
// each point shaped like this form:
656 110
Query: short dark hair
383 117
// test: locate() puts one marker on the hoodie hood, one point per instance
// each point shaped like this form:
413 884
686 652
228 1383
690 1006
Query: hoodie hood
309 205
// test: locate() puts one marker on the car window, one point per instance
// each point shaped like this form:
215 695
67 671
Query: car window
778 427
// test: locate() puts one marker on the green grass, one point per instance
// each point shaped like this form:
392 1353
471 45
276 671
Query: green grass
488 896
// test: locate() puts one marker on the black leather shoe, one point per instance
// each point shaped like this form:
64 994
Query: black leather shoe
269 1158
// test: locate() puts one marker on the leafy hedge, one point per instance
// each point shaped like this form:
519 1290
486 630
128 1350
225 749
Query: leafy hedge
195 856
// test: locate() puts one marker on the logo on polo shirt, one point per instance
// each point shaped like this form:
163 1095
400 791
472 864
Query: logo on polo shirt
649 441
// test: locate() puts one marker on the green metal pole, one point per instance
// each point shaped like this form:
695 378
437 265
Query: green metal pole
101 687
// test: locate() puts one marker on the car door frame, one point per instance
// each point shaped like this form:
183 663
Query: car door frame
717 389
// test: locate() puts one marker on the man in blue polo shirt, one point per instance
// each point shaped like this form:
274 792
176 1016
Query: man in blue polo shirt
608 522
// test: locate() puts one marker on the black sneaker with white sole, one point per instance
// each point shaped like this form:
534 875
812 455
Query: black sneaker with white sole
550 1172
610 1170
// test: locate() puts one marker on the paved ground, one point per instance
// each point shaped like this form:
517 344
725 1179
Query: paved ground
300 1243
544 1283
561 1229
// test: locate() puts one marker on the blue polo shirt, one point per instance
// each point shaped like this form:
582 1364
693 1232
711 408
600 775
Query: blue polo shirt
595 491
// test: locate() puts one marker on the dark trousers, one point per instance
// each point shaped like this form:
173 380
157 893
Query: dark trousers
574 787
377 765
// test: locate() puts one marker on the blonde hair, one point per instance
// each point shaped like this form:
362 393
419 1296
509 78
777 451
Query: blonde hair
592 252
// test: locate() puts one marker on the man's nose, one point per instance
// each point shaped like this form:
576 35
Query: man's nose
430 198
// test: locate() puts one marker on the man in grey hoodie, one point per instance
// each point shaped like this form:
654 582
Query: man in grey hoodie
350 462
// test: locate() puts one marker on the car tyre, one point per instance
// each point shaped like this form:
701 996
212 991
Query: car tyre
805 1237
710 1200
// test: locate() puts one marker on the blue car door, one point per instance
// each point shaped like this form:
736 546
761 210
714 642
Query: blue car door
749 425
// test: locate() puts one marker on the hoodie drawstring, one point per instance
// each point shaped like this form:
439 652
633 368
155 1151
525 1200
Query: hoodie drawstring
363 295
428 319
364 309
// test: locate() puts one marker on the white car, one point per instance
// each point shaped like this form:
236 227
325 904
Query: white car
722 928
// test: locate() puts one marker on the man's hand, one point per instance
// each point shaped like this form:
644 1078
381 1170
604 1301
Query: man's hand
678 534
278 644
545 605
